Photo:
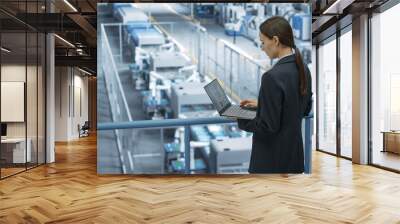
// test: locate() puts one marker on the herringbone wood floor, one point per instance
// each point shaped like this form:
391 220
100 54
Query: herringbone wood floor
70 191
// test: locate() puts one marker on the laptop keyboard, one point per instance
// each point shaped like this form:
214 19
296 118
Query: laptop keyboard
236 110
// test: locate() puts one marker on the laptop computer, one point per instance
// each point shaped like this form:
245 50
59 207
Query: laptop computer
224 106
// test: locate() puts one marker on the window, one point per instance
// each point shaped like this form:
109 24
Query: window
327 96
385 88
346 93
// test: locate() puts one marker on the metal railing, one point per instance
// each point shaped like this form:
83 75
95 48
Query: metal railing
239 72
187 123
116 96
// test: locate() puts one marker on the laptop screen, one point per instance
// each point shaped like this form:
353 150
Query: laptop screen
217 95
3 129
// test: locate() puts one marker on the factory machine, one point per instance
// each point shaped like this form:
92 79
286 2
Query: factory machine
234 19
137 26
140 69
255 15
168 56
245 19
160 89
301 24
137 30
305 50
214 148
145 34
144 63
204 10
154 77
250 28
224 148
156 100
117 6
230 155
190 97
129 14
189 100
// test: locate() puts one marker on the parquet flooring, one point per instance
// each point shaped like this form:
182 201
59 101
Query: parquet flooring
70 191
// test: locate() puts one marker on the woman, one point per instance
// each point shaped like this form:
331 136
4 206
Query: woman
284 99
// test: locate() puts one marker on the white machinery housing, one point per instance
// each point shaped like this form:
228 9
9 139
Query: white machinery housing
168 57
131 15
230 155
188 93
147 36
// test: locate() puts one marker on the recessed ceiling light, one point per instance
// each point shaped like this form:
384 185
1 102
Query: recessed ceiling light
64 40
5 50
70 5
86 72
337 7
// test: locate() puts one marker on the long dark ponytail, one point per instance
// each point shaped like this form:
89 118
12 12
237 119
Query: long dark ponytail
280 27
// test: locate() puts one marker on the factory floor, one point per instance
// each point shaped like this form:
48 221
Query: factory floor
183 29
70 191
174 13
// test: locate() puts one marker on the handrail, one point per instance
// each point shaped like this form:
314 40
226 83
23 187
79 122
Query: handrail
115 73
167 123
108 79
143 124
163 123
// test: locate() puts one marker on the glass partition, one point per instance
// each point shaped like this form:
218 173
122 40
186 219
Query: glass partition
41 97
22 88
385 89
346 93
15 149
327 96
31 98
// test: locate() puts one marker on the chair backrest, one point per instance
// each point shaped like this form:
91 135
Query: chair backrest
86 125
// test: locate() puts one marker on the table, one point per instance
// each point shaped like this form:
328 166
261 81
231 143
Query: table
391 141
13 150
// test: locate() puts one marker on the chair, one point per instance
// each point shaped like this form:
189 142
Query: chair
84 130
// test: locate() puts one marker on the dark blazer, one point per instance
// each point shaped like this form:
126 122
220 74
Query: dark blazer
277 138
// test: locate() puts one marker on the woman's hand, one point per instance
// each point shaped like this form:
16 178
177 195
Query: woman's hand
248 103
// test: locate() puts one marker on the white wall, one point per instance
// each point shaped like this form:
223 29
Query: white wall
61 103
70 84
33 126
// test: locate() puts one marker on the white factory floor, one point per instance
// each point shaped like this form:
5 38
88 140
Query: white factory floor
184 32
175 13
